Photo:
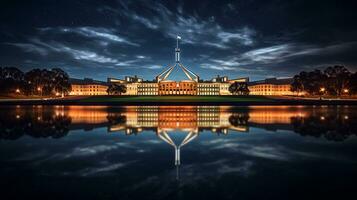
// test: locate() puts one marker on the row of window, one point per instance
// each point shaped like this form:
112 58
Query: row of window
185 89
147 86
175 84
97 90
85 93
208 89
177 92
148 93
269 86
208 86
90 86
177 88
147 89
272 90
208 93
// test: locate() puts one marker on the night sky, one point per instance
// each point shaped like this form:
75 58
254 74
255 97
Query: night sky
100 39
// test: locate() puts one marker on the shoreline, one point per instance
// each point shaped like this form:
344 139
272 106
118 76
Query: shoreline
273 102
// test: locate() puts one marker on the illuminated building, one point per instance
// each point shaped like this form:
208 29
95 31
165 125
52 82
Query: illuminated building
271 86
183 87
165 121
196 119
163 86
146 88
208 88
217 86
178 88
169 118
137 86
88 87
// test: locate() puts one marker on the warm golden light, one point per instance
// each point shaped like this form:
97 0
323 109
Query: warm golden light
195 119
17 90
345 90
89 89
38 89
322 89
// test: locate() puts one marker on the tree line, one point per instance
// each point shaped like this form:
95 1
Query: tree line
43 124
42 82
336 81
335 124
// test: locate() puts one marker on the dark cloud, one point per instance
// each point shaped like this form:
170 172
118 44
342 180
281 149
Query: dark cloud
236 38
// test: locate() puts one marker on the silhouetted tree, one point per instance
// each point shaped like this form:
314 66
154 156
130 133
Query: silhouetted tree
335 80
338 79
116 119
47 82
11 79
314 81
298 84
332 124
239 119
61 81
116 89
36 123
239 88
34 82
353 83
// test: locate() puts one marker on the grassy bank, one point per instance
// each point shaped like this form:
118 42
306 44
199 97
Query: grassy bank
174 99
177 100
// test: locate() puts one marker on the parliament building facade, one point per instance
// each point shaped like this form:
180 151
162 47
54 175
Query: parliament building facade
161 85
183 87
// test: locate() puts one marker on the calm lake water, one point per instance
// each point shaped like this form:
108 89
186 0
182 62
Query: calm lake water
178 152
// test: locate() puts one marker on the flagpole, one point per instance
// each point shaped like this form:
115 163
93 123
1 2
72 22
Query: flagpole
177 41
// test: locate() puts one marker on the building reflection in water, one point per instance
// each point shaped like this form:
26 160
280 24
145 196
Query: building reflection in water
169 118
333 123
165 119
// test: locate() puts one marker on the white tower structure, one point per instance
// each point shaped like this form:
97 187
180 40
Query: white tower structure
177 50
189 137
190 75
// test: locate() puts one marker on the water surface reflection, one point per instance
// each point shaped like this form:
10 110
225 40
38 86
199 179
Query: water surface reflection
332 123
177 152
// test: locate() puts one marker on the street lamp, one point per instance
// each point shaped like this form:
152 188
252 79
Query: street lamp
346 91
40 90
322 91
17 90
